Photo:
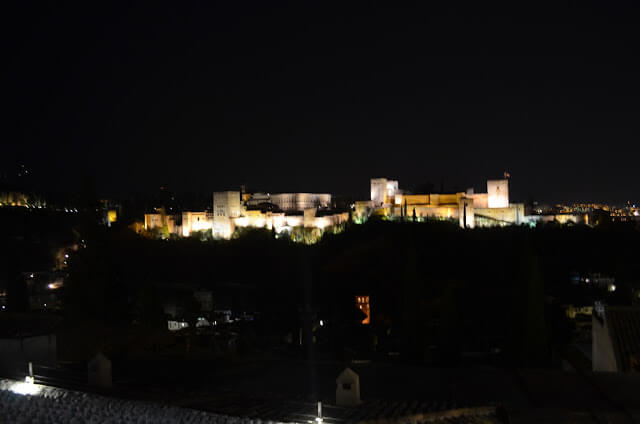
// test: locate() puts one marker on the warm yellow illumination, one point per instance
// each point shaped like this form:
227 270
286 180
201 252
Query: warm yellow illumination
112 215
362 302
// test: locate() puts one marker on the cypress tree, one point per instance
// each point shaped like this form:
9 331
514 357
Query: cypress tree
529 304
405 208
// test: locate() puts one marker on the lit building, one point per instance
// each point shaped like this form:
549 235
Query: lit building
289 202
498 194
468 208
281 212
255 199
362 302
383 191
196 221
616 339
112 216
13 198
152 220
226 207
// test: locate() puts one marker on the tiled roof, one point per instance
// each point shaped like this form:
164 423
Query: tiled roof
623 324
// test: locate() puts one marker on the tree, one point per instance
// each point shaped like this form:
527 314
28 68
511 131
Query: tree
530 312
405 210
450 333
411 302
18 293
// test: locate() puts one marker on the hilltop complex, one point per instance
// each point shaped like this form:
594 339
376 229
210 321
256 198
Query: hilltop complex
468 208
231 210
286 212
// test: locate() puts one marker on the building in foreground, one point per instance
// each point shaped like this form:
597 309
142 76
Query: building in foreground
616 338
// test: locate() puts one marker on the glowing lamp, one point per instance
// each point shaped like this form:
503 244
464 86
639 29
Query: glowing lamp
26 388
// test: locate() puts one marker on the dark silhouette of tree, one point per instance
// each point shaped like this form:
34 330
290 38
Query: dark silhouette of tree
17 293
411 303
530 310
450 332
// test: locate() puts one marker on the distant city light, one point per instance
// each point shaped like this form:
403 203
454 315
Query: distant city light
321 323
66 255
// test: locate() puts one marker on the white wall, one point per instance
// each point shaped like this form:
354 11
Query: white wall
498 193
378 190
226 206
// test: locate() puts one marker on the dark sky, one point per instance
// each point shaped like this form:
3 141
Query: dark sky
320 96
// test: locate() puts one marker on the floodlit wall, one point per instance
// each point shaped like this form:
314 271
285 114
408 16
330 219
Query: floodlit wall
226 207
378 191
392 190
415 199
226 204
498 193
500 215
301 201
323 222
195 221
258 219
152 220
480 200
309 217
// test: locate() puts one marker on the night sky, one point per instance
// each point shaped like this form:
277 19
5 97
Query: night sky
321 96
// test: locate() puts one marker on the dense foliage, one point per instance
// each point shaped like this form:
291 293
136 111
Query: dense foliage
436 291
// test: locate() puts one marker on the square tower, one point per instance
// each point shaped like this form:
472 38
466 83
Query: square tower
226 206
498 193
378 191
383 191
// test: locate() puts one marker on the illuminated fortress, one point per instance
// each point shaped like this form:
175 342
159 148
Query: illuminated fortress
285 212
282 212
468 208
